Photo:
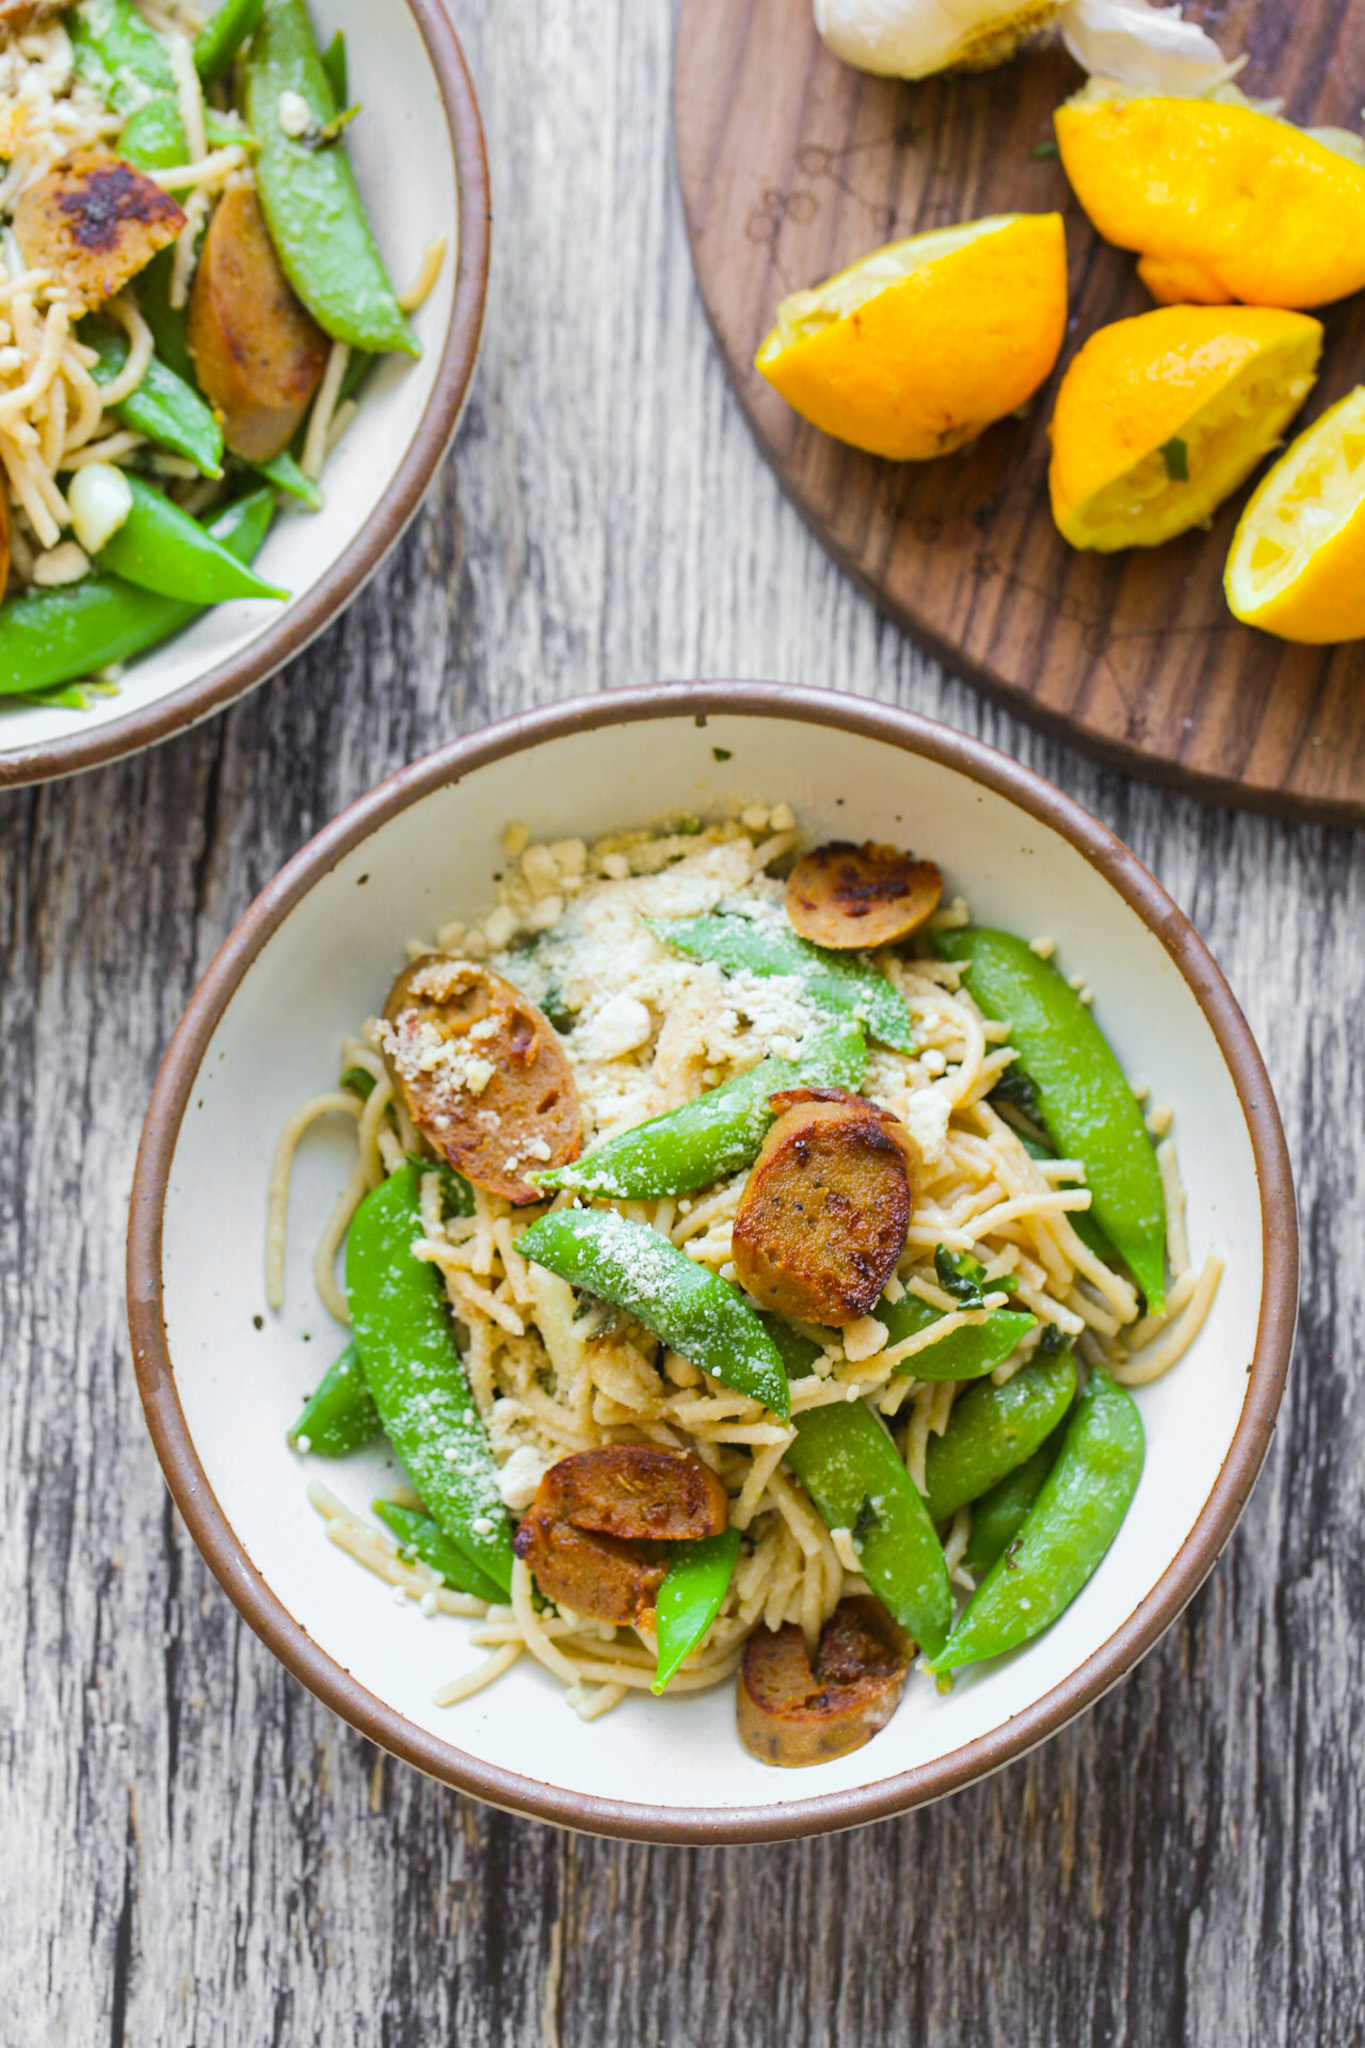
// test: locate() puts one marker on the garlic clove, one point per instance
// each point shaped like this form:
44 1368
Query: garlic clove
100 497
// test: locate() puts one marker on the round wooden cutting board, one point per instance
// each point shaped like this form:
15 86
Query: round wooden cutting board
792 165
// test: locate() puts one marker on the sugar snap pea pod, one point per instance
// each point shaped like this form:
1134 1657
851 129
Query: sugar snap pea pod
1065 1534
163 407
51 637
797 1353
334 64
169 324
1086 1105
421 1534
768 945
125 61
697 1580
418 1378
999 1515
222 36
992 1429
717 1134
965 1353
849 1466
341 1415
701 1317
161 548
285 474
309 195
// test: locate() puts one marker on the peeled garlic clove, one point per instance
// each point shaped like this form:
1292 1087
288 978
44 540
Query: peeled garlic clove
915 38
1146 48
100 497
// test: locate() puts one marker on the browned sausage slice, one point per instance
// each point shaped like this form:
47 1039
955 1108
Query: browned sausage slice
583 1533
850 897
482 1074
92 223
258 353
791 1715
825 1210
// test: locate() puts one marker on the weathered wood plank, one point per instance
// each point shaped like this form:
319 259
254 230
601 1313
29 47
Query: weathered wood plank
195 1852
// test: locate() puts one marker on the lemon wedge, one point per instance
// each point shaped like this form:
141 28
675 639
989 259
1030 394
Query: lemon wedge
1159 418
1297 562
1221 202
914 350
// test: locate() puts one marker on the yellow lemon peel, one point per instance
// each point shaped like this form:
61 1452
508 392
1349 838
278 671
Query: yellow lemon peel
1159 418
911 352
1297 562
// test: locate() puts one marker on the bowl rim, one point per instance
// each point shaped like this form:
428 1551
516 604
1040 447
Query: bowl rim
301 622
821 1813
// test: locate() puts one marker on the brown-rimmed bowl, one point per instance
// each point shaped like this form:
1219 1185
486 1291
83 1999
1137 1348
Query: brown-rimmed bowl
419 159
221 1379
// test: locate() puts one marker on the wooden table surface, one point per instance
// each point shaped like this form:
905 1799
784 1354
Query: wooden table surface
195 1852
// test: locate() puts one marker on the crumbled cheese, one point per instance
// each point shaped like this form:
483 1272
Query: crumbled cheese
427 1606
782 818
538 1149
291 110
482 1525
519 1478
304 1444
515 840
1044 948
615 867
620 1026
864 1339
500 927
754 818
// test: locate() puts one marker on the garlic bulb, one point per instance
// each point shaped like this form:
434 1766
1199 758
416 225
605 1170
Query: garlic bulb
1144 47
915 38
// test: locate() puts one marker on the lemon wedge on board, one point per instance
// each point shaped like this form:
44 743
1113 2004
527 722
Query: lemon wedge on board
914 350
1159 418
1297 562
1220 202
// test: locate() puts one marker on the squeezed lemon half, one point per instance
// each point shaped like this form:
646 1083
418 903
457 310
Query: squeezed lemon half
914 350
1159 418
1297 562
1221 202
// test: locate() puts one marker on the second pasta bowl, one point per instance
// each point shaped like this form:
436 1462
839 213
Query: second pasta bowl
680 1422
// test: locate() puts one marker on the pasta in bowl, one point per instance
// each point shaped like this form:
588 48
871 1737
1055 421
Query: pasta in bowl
749 1331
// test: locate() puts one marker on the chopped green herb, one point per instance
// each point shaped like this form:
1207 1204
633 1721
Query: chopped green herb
1044 149
1015 1088
721 754
965 1278
868 1522
358 1081
1052 1341
1176 456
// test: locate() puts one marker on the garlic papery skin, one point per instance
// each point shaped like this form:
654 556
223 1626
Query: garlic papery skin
100 498
1147 49
916 38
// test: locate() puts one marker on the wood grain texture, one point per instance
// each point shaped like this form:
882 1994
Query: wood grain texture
195 1852
792 166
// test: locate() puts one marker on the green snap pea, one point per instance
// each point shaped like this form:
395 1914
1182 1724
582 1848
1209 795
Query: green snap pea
1084 1100
965 1353
125 61
163 407
849 1466
698 1315
421 1536
161 548
52 637
768 945
285 474
999 1515
992 1429
418 1378
222 36
309 195
334 64
1065 1534
169 324
717 1134
697 1580
341 1415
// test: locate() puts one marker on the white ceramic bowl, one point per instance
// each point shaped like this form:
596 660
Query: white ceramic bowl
316 952
419 159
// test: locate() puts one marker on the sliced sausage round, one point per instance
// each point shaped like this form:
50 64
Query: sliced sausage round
853 897
482 1074
590 1532
824 1214
94 222
258 353
793 1715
